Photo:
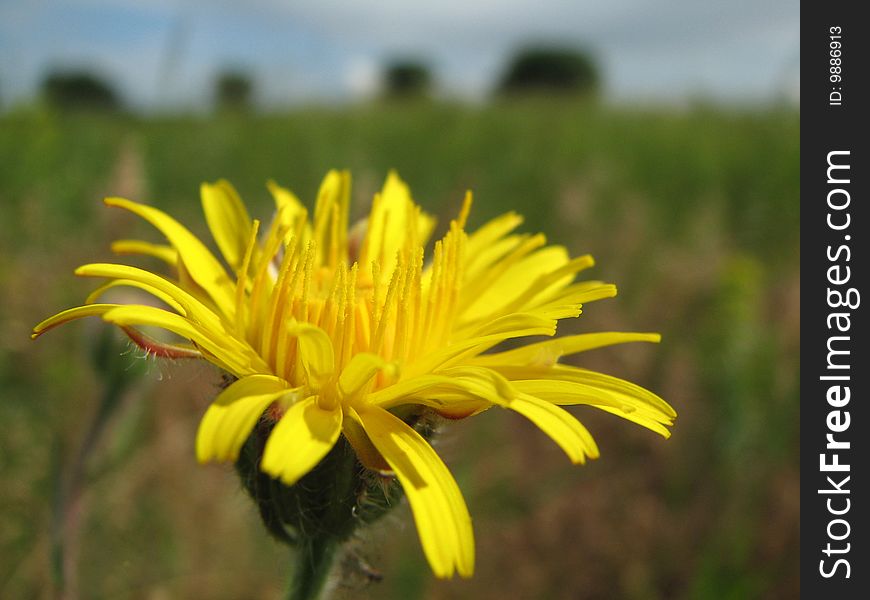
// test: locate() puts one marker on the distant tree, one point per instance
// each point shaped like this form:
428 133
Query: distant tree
407 79
234 90
551 69
79 90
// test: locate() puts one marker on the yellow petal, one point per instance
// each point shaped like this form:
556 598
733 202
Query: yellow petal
330 218
163 252
449 398
549 352
442 519
627 392
192 307
481 340
567 302
231 417
615 384
482 259
573 392
517 325
459 408
360 370
292 216
561 426
286 202
566 393
200 263
393 216
505 328
89 310
227 219
315 350
484 237
303 436
561 310
397 393
92 297
492 297
641 419
552 284
228 353
483 383
366 453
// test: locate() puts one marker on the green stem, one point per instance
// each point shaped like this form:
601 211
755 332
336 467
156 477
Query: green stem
313 564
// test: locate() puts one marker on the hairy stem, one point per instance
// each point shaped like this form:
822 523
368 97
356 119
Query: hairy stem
314 560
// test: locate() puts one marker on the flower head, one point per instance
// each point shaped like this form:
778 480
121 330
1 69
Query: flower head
330 331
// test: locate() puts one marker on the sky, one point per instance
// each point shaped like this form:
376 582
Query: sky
166 53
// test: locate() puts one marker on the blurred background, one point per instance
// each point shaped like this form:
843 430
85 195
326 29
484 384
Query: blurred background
662 137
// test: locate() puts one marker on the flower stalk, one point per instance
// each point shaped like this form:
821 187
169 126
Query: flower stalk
314 562
320 512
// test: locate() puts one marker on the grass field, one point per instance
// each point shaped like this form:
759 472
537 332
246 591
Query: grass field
695 215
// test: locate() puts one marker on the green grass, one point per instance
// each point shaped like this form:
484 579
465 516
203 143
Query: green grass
694 214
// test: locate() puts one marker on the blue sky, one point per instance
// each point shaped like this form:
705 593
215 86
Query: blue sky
166 52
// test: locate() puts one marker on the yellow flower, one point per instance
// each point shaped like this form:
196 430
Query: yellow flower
329 329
